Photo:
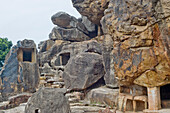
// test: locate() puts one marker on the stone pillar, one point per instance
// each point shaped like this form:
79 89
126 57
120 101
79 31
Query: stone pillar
154 98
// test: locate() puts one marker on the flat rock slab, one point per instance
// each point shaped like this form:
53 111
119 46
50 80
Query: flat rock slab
103 95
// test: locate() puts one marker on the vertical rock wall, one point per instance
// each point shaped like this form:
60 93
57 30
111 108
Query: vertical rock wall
21 71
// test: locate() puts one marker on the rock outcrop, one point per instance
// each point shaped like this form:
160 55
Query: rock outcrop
71 29
21 71
93 9
54 60
141 41
48 100
136 46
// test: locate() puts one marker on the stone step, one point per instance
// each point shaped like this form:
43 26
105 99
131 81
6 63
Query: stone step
70 95
87 109
78 104
73 100
4 104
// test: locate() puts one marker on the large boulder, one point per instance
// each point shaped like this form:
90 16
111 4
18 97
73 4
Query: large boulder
93 9
140 32
21 71
48 100
64 20
83 70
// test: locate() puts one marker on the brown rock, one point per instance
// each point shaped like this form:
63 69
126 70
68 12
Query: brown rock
93 9
141 46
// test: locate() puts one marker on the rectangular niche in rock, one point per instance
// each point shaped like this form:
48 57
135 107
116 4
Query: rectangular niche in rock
165 96
64 58
27 55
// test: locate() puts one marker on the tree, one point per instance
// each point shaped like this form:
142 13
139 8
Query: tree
5 46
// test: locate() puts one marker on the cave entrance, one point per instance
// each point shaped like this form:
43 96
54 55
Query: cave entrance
165 96
37 111
64 58
27 56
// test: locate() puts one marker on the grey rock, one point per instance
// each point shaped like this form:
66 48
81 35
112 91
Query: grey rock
47 69
108 61
83 70
103 95
72 34
45 45
48 100
66 21
91 27
61 48
20 71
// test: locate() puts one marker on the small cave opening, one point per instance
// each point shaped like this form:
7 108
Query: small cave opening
165 92
37 111
27 56
64 58
165 96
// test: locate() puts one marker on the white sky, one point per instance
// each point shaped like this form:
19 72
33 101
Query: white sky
31 19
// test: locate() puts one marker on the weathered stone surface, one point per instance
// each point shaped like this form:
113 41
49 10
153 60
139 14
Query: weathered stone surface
46 56
46 45
72 34
15 101
20 72
108 61
47 69
60 47
91 27
19 109
64 20
107 110
83 70
103 95
140 32
53 61
48 100
93 9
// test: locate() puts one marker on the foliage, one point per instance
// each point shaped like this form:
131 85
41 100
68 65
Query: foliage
5 46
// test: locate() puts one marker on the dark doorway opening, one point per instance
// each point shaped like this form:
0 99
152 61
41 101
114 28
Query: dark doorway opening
165 92
27 56
37 111
165 96
64 58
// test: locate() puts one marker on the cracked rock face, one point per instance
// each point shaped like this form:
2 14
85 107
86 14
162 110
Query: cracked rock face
140 32
93 9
